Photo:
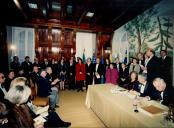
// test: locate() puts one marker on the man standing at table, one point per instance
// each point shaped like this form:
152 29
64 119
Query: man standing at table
152 65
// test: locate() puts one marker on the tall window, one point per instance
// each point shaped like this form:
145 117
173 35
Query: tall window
20 43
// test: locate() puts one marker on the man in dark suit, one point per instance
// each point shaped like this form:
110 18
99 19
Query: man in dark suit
145 88
15 65
166 92
89 72
44 90
152 65
2 89
117 64
71 73
166 67
98 71
27 66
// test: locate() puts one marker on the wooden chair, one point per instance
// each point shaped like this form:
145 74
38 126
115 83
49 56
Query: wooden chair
36 100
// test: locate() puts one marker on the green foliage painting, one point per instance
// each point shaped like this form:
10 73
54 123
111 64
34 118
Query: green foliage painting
163 34
149 28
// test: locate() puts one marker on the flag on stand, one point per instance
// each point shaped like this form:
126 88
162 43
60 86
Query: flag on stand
83 57
124 49
102 62
125 58
93 58
110 57
102 57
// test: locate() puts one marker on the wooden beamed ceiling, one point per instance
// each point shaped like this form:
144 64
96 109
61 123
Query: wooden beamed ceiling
108 15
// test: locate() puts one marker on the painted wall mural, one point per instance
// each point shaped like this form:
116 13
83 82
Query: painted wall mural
153 28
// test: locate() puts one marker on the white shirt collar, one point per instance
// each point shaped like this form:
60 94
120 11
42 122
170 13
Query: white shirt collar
142 88
3 89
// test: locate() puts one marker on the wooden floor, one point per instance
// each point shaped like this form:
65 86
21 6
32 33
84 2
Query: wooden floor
72 108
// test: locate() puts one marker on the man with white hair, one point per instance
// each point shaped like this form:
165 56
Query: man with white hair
146 89
44 90
166 92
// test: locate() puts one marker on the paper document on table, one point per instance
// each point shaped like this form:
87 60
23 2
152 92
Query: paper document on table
98 76
130 95
44 114
41 110
118 90
152 110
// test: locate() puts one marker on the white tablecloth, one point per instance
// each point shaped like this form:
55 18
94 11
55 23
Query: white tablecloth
116 109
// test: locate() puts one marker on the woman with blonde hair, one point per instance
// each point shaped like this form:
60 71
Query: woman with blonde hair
18 81
20 112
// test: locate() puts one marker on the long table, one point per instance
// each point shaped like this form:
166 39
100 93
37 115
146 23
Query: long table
117 110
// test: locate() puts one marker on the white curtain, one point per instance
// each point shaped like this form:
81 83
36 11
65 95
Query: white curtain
120 45
85 41
20 43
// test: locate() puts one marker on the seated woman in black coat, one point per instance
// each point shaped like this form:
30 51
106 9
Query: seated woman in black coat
123 75
133 81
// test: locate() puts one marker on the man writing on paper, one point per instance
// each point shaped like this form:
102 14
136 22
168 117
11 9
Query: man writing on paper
166 92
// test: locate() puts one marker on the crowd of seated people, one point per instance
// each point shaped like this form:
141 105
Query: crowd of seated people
19 110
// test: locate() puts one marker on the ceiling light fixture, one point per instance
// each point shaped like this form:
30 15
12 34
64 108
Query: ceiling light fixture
13 47
89 14
44 11
69 9
56 6
17 3
32 5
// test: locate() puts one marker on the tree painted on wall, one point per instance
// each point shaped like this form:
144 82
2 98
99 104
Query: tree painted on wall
140 29
163 34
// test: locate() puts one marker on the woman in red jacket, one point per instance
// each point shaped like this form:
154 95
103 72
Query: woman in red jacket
80 74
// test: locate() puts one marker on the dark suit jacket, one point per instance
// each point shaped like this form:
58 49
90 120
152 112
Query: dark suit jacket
7 83
44 87
115 66
168 96
123 75
27 66
152 69
71 69
100 69
166 69
1 95
89 69
149 91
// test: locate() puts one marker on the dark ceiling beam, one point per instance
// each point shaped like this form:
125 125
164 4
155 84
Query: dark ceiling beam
132 11
41 6
124 12
84 26
18 4
85 10
63 10
81 17
95 20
